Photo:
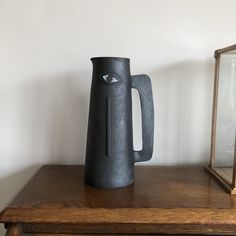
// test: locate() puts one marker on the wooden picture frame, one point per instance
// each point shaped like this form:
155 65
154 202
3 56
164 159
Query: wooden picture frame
222 174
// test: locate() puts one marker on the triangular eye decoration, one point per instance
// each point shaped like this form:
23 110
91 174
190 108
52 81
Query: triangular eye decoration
110 79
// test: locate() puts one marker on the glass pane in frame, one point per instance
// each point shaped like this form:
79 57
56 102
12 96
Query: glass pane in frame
226 115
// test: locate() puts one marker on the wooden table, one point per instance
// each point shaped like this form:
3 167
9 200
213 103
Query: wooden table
163 200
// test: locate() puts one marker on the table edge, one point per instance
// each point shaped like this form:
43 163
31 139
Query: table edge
120 215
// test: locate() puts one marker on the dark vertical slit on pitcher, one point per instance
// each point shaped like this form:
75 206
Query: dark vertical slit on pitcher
108 126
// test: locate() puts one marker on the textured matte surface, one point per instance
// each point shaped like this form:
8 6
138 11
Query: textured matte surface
110 155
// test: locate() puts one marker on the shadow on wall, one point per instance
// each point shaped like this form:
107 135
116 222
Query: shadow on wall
48 120
55 119
43 121
183 96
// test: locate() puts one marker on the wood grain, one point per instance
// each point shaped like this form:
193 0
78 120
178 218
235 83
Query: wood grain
122 215
131 229
62 187
14 230
162 200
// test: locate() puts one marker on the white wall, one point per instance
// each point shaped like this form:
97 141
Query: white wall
45 75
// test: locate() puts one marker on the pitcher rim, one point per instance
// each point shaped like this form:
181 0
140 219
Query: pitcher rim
119 58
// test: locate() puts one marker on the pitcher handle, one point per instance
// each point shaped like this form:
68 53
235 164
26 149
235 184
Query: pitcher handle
143 84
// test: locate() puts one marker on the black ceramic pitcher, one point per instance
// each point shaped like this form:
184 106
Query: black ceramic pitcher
110 156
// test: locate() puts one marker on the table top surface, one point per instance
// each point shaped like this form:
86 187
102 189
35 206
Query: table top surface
57 194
